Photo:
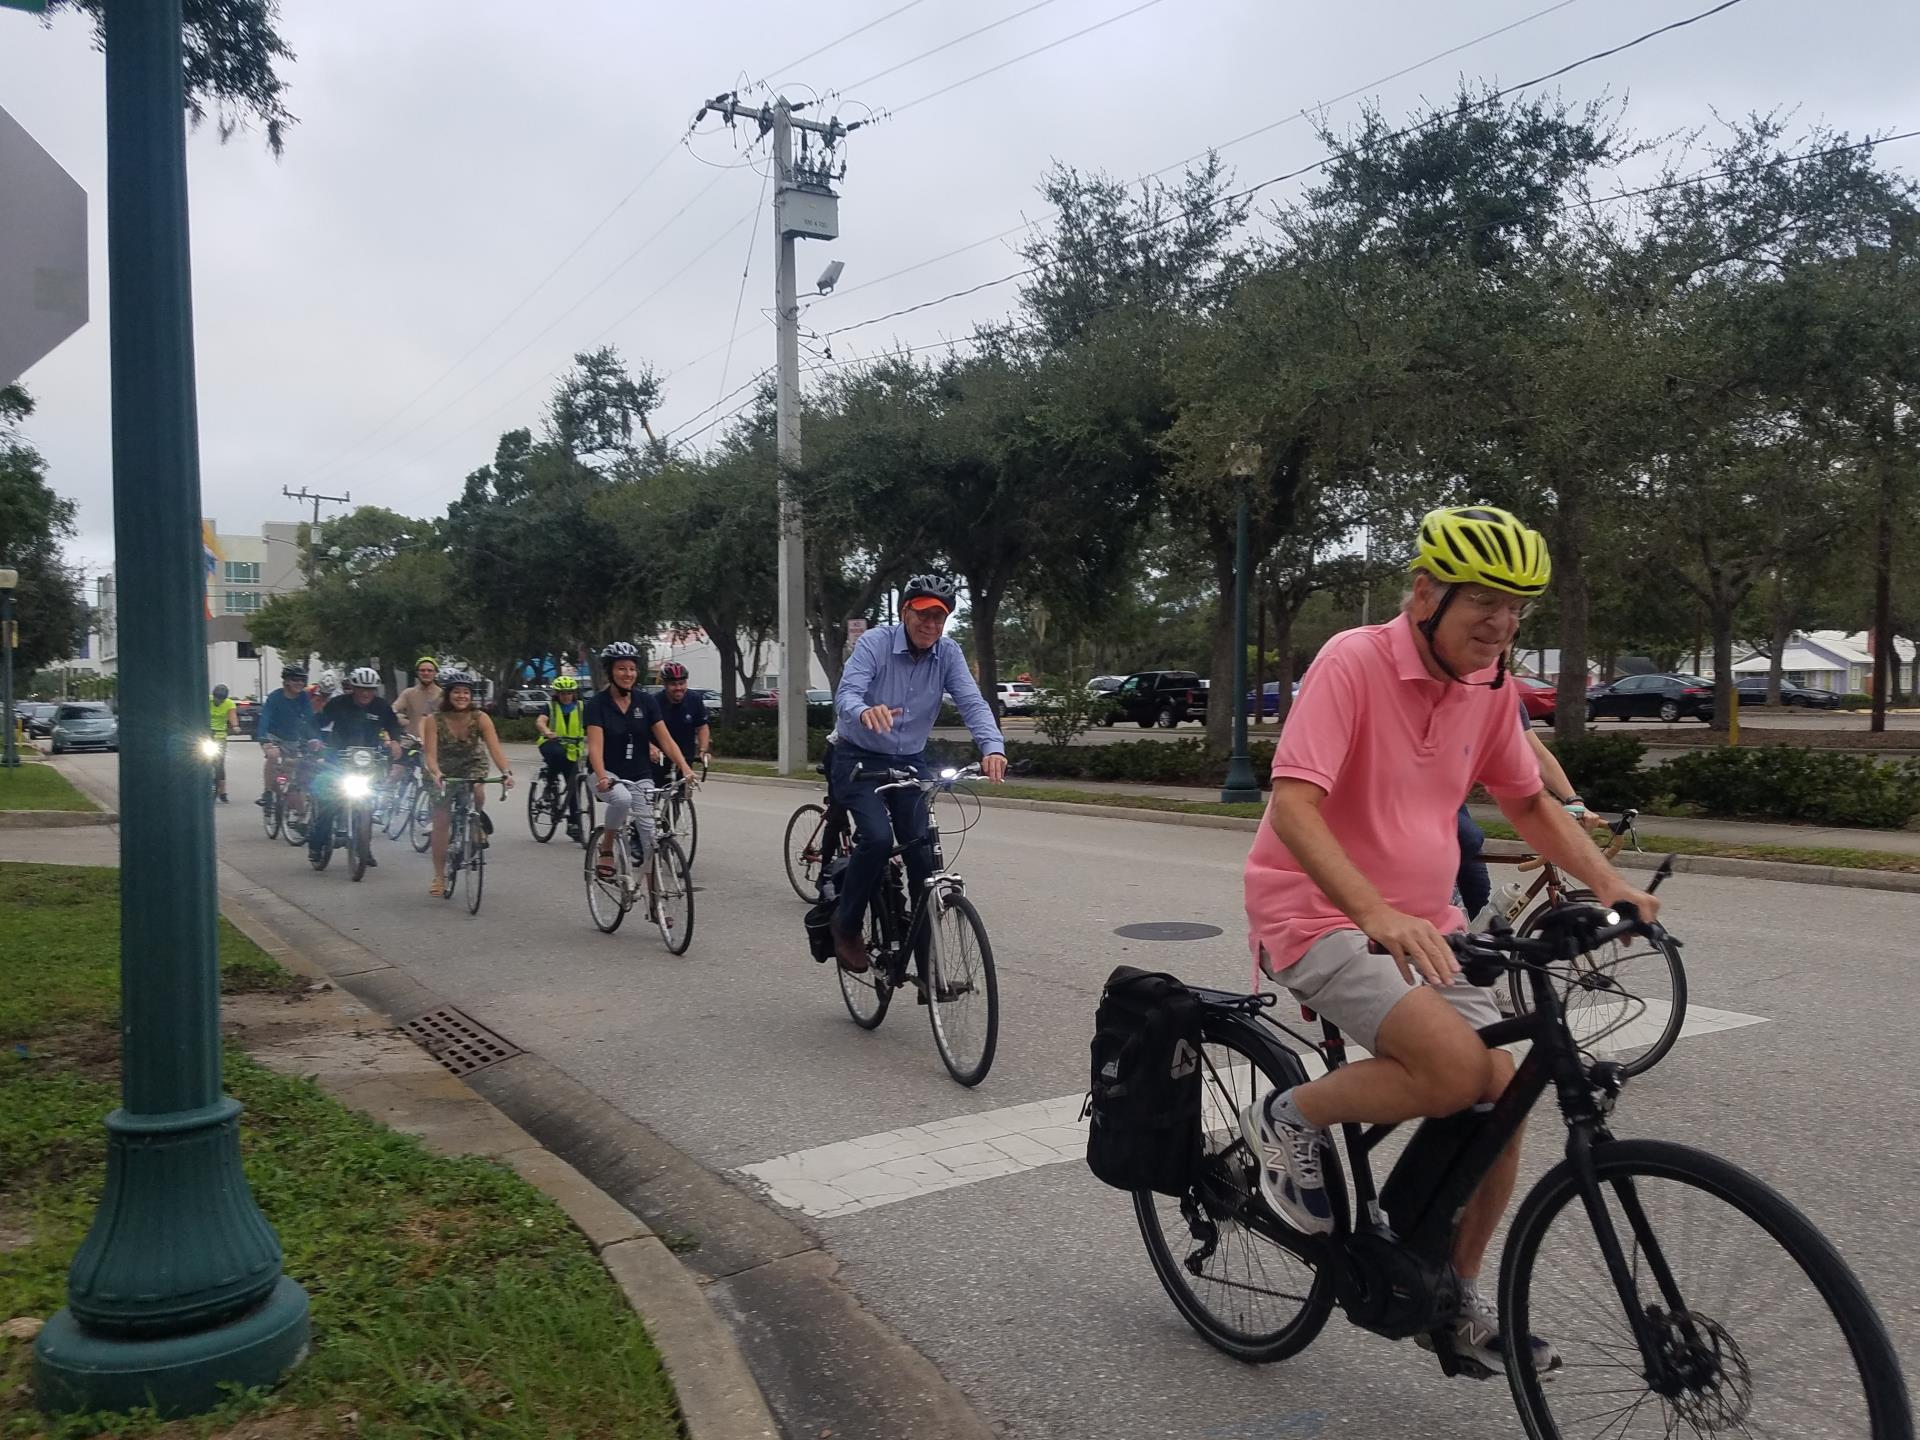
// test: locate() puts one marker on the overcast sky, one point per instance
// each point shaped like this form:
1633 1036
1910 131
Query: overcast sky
451 152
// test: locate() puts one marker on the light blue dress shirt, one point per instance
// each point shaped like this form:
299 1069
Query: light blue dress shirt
883 670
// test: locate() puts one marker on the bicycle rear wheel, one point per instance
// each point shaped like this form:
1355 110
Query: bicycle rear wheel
672 897
608 899
1603 993
1241 1290
801 850
422 839
544 804
963 993
868 994
1769 1330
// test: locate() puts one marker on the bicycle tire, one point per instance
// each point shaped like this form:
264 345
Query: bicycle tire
294 824
422 839
274 812
359 841
686 832
606 898
1584 991
473 874
948 971
803 858
400 807
1630 1168
587 808
1234 1073
542 807
326 853
671 897
868 994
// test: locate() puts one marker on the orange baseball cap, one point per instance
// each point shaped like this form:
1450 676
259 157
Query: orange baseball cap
928 602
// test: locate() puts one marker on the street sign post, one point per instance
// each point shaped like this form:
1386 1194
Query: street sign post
43 250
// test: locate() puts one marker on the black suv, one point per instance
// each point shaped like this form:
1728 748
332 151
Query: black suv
1158 697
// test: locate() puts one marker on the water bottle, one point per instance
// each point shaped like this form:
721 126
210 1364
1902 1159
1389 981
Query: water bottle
1506 902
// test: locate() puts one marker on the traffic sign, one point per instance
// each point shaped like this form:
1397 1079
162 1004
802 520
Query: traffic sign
43 252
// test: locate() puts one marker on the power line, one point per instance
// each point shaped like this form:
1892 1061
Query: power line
948 45
831 44
1295 174
549 327
1037 50
741 298
1228 144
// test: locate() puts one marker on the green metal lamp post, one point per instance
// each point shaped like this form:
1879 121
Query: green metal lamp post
1242 786
177 1289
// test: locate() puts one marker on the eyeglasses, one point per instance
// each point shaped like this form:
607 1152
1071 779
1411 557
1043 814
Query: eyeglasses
1489 602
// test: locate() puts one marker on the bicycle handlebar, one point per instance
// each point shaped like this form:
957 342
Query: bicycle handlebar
945 780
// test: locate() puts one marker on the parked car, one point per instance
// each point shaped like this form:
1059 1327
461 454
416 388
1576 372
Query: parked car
819 697
1653 697
1105 684
1541 697
85 725
1159 697
524 702
1016 697
764 700
1270 697
246 715
37 716
1753 691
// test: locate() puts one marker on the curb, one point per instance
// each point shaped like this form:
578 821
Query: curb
717 1395
55 819
1907 882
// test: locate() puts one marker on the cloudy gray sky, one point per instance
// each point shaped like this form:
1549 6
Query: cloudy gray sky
452 152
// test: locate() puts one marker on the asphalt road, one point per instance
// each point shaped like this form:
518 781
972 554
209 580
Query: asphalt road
1031 1290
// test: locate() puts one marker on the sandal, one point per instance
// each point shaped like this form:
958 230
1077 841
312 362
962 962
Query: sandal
606 869
438 889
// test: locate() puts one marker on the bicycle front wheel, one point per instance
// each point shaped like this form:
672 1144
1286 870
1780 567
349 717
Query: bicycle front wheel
1244 1293
423 820
295 810
801 849
274 813
543 810
672 896
963 994
473 871
608 896
1763 1328
1625 1001
400 807
359 841
686 827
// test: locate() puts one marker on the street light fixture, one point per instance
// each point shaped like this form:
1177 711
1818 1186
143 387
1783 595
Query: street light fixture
1242 786
9 579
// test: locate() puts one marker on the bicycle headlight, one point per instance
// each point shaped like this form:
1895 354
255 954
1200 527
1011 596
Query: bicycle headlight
210 748
949 774
356 787
363 757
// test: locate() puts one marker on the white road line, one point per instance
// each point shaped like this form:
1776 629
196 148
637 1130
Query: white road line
869 1171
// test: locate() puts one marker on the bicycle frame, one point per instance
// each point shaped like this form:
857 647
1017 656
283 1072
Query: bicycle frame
1472 1143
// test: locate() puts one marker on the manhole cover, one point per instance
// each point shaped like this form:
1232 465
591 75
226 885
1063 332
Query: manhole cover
1168 930
458 1041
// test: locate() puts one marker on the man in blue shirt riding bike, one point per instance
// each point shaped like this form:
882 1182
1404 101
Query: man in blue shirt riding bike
285 726
887 702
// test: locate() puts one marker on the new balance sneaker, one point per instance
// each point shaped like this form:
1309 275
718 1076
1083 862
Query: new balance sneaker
1290 1173
1477 1336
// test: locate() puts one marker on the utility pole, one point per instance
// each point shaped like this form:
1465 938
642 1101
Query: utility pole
804 206
313 530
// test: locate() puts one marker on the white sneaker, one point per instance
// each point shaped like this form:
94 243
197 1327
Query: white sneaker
1290 1174
1477 1337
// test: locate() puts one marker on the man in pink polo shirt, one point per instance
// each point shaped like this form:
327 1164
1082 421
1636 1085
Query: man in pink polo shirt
1393 725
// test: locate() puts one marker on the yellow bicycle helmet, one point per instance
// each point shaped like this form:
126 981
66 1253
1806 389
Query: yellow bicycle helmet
1482 545
565 684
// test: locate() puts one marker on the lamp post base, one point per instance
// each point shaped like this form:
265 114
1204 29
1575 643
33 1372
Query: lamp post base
77 1371
1242 786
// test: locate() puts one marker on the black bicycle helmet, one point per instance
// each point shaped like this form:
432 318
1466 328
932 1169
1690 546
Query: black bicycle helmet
930 587
293 672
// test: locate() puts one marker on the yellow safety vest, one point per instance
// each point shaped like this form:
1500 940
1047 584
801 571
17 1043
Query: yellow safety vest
569 725
220 715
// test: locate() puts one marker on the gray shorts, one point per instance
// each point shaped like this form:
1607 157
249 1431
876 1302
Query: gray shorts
1339 980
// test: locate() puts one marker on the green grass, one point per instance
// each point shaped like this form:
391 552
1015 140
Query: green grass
34 786
450 1298
1835 856
1065 796
742 767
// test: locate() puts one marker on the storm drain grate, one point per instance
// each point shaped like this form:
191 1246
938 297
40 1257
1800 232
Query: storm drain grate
1168 930
458 1041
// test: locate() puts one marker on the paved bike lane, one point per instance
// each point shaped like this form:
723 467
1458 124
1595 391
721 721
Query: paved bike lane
1024 1281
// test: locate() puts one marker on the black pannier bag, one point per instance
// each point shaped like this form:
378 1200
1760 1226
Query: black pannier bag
1145 1099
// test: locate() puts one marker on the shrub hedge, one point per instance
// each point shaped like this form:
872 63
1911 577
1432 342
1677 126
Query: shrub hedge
1790 782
